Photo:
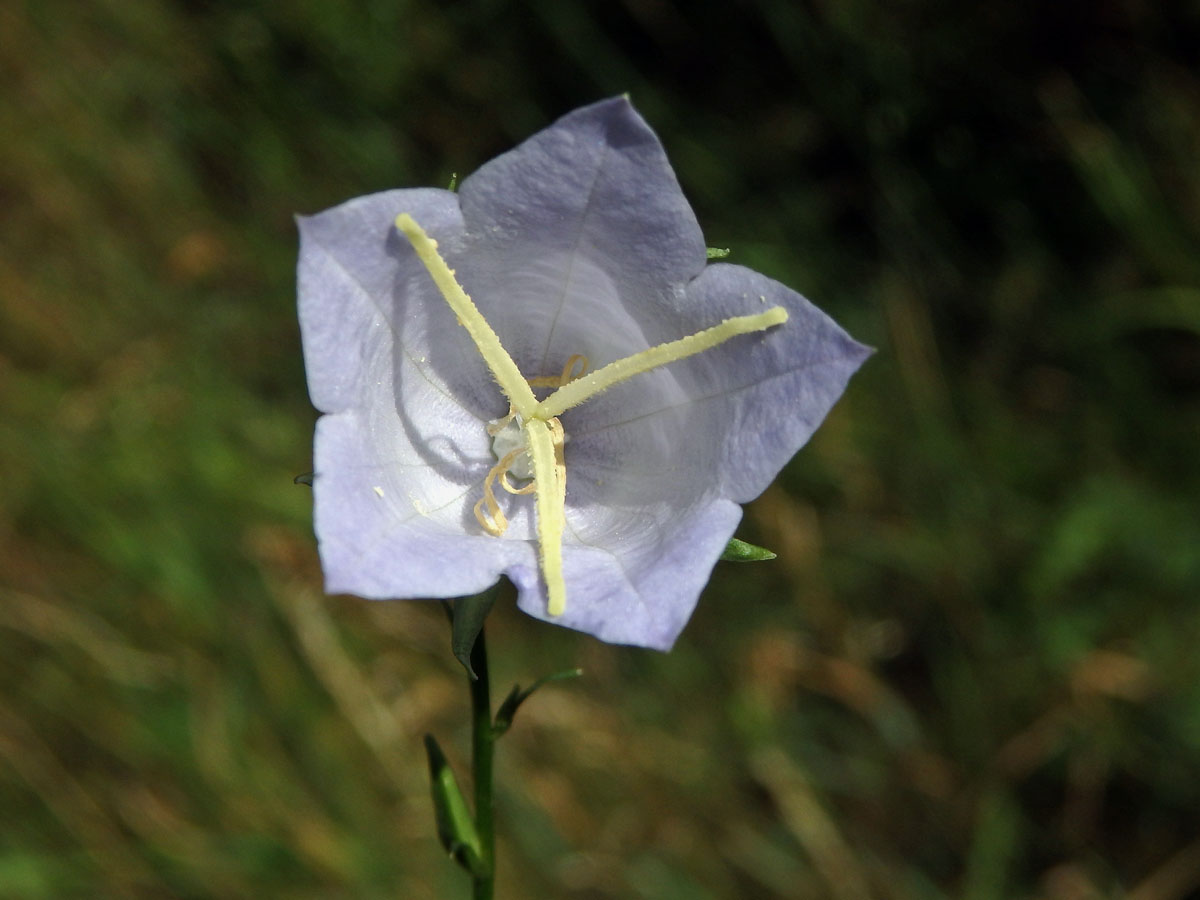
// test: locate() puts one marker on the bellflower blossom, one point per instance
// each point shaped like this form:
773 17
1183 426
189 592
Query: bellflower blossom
578 249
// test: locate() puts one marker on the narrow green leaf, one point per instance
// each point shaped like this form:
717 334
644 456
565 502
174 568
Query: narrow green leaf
516 697
455 825
740 551
467 615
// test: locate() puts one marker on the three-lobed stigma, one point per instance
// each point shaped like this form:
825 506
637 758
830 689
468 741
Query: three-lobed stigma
542 437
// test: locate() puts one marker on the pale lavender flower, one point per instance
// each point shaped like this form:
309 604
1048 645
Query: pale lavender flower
579 241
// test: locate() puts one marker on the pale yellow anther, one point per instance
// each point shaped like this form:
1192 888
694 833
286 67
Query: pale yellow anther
543 432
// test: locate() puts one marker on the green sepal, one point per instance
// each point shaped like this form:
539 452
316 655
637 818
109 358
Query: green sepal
508 709
717 252
740 551
304 478
467 615
455 824
453 186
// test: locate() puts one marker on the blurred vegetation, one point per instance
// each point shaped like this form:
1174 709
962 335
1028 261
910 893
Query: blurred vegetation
972 671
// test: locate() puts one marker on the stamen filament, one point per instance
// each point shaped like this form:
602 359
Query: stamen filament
551 517
581 389
576 360
504 370
494 428
494 521
519 491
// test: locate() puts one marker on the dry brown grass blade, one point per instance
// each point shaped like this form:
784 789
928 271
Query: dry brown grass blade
811 825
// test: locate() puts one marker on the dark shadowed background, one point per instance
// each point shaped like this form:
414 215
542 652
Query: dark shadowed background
971 673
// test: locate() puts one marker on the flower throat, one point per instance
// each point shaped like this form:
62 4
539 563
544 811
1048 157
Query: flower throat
538 421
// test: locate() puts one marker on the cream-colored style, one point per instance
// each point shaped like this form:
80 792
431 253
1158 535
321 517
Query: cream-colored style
538 421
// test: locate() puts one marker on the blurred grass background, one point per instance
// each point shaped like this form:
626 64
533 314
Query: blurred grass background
971 673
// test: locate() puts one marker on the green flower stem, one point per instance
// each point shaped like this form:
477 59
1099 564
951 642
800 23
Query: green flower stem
483 741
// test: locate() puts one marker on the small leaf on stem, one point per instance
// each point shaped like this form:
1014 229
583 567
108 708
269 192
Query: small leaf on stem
467 615
740 551
455 825
516 697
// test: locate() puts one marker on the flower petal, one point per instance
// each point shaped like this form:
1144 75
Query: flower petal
395 530
590 199
770 392
729 418
346 278
400 455
638 586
